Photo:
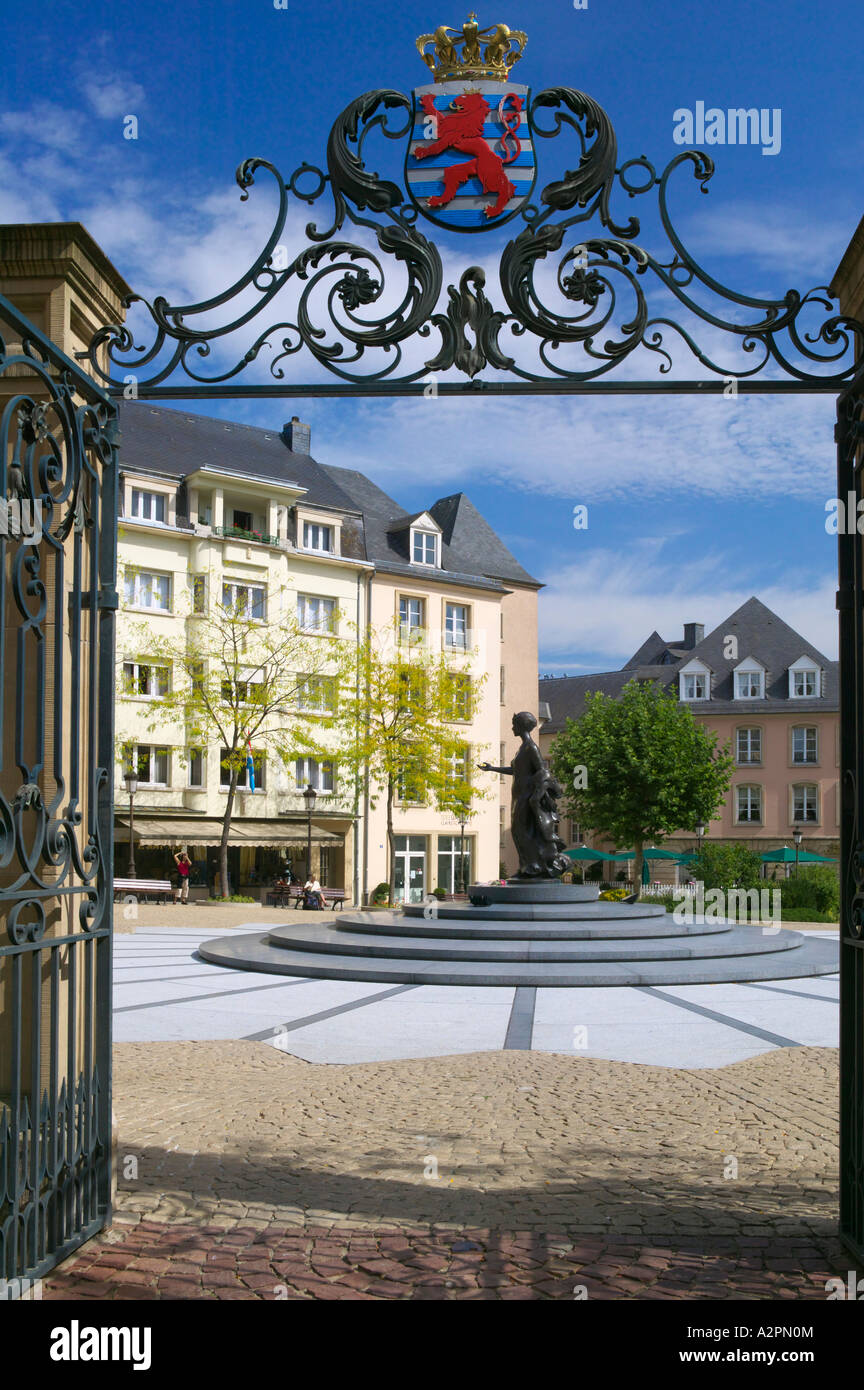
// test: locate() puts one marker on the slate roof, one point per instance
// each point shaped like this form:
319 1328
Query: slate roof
469 546
175 443
760 634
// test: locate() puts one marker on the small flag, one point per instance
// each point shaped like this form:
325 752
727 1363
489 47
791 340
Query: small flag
250 767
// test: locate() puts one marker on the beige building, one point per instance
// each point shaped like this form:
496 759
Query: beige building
209 507
770 696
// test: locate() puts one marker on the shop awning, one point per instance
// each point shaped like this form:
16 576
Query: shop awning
208 831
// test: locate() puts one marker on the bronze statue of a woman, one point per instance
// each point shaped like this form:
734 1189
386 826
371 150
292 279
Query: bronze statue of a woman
533 806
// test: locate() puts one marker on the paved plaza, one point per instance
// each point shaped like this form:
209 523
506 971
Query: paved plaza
298 1139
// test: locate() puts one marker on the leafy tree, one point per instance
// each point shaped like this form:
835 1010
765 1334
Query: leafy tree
726 866
650 769
237 675
396 724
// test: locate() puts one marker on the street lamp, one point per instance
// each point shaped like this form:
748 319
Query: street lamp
462 819
797 837
310 796
701 827
131 781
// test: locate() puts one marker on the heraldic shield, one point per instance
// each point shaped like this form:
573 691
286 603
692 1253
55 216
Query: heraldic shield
470 163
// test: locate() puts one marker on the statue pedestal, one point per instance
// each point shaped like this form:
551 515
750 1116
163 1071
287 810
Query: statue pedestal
537 890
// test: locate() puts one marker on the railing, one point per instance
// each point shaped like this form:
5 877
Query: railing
237 533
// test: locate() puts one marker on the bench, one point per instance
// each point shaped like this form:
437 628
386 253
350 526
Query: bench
283 897
143 887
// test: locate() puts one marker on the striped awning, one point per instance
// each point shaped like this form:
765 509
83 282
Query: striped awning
207 830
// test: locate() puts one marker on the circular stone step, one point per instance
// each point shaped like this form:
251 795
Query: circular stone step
248 951
734 941
393 924
540 912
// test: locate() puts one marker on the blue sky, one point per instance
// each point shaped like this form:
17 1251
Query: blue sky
693 504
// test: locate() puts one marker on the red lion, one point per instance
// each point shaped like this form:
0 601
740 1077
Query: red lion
463 131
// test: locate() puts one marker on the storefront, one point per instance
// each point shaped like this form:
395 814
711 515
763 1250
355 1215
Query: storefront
259 851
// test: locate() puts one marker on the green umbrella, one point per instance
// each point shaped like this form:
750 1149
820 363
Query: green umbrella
585 852
647 854
646 872
788 856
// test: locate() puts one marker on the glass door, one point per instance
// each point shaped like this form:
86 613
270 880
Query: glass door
410 868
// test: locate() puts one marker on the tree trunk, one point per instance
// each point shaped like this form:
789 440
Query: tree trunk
226 830
637 866
391 843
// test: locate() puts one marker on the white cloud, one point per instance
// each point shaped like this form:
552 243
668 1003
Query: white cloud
114 97
609 603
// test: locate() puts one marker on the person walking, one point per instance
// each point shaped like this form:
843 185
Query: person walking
184 868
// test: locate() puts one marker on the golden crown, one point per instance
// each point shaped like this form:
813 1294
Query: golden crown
485 53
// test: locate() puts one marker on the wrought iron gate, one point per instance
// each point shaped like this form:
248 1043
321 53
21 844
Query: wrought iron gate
57 601
850 602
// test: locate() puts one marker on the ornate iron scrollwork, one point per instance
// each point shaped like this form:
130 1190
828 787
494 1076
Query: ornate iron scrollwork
353 318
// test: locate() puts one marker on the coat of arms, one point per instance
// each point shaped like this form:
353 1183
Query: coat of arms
470 163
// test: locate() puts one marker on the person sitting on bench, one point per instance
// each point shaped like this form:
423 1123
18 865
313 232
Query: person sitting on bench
313 894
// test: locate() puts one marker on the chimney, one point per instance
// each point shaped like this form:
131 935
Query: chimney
297 436
693 634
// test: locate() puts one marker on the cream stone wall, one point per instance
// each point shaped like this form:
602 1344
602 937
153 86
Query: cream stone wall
519 662
482 733
285 572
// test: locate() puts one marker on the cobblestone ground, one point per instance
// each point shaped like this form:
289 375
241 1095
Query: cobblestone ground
245 1173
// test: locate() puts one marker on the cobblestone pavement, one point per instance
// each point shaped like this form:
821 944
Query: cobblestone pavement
246 1173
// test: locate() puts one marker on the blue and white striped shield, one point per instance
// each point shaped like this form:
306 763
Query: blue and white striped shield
470 163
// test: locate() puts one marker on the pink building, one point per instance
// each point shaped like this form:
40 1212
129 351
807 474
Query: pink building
767 693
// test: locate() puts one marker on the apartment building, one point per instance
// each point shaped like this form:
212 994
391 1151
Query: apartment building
766 692
213 511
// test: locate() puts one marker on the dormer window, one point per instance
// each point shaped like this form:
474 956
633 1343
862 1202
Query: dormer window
804 682
317 537
148 506
424 547
749 680
694 682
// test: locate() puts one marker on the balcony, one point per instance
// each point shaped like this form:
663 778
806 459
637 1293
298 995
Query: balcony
236 533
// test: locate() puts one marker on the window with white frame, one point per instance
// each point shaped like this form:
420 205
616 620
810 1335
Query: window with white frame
412 617
460 696
748 805
316 613
748 745
803 682
454 862
457 770
805 744
424 547
150 763
148 506
694 685
311 772
750 684
805 803
140 678
456 627
316 694
317 537
145 590
242 770
245 600
195 767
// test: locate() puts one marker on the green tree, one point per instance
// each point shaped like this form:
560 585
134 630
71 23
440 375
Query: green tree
726 866
238 669
399 724
649 768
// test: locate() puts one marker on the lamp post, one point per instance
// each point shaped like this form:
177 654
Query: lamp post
797 837
310 796
701 827
131 786
462 847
